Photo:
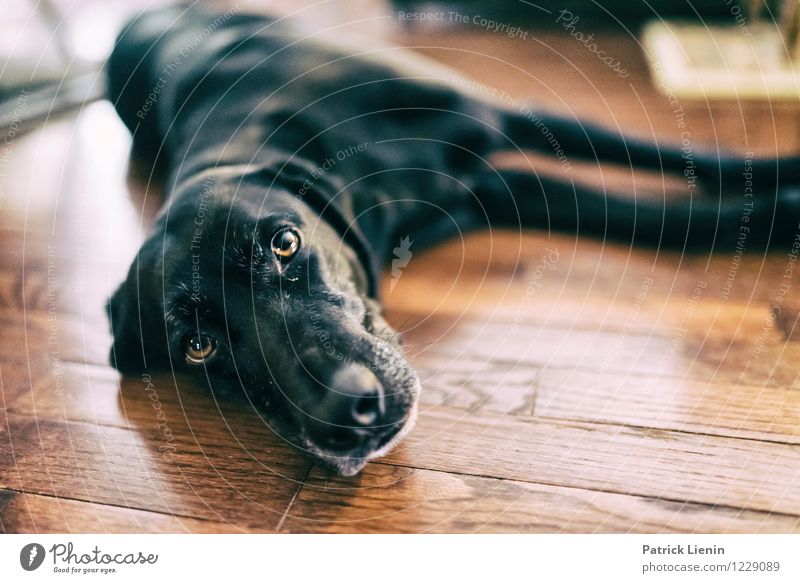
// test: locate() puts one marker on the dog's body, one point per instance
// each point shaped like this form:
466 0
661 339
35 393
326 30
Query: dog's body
295 166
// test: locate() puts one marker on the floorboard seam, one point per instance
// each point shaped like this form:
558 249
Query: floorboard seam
600 490
291 502
112 505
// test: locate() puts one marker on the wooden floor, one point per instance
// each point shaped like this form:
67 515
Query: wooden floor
568 386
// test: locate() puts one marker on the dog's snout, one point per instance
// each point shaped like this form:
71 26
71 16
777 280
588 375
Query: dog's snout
350 410
354 398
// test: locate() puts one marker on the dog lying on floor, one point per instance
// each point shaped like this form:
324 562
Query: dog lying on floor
295 165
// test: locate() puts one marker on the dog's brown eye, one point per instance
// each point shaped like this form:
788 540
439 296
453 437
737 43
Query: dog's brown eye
199 348
285 244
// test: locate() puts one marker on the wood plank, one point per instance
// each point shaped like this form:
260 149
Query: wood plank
18 377
484 268
71 293
666 316
478 386
397 499
99 395
34 514
246 476
755 412
645 462
83 393
47 338
6 497
763 359
766 412
75 244
731 338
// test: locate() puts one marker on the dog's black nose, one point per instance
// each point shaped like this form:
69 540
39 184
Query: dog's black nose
354 398
350 410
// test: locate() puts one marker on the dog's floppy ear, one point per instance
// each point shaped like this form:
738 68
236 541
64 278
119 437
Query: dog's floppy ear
133 316
127 350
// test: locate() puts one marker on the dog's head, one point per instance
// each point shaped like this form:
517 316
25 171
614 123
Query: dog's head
243 283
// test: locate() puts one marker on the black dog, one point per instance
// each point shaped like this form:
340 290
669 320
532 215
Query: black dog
296 165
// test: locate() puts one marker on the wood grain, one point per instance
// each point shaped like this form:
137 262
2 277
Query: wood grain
677 466
244 479
45 515
765 413
764 358
399 499
44 338
500 260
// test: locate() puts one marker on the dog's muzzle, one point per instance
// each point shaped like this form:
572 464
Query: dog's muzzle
354 414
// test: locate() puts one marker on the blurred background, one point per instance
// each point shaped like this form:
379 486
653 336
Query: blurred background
697 49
